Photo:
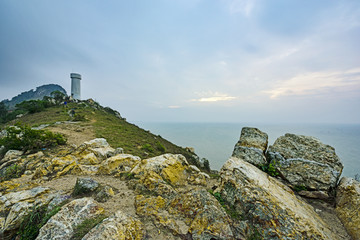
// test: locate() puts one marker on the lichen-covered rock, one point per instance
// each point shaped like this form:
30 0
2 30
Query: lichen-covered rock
270 207
14 197
16 215
195 213
117 226
85 185
171 167
118 163
61 225
104 194
251 146
11 154
15 206
305 161
87 159
253 138
99 147
203 214
348 205
153 182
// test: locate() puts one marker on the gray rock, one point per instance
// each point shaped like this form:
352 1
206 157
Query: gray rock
314 194
17 213
348 205
61 225
85 186
270 208
305 161
104 194
249 154
117 226
119 150
253 137
11 155
252 146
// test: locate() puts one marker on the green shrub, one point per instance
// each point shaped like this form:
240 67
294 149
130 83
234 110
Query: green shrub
299 188
147 147
83 228
79 118
13 171
32 106
23 137
160 147
270 169
38 217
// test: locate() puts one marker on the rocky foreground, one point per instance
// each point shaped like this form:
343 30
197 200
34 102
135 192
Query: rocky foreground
290 190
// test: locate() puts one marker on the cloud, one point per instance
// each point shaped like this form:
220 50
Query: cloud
214 97
174 106
244 7
315 83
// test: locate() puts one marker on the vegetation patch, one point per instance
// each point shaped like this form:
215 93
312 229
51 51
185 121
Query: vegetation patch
270 169
79 118
299 188
160 147
229 209
116 130
13 171
255 234
83 228
24 138
147 147
214 175
38 217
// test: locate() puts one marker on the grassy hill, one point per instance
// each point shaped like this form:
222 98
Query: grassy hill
106 123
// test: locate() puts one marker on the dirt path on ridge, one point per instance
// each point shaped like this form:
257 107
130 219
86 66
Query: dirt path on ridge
75 132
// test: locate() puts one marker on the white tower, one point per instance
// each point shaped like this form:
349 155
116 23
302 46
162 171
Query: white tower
75 85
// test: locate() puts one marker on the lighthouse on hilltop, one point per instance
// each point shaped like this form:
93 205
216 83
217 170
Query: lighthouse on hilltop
75 86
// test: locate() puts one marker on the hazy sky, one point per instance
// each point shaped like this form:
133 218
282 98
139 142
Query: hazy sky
191 60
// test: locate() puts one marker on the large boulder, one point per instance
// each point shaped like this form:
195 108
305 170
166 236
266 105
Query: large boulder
268 209
195 213
305 161
98 146
173 168
117 226
348 205
62 224
118 164
14 207
251 146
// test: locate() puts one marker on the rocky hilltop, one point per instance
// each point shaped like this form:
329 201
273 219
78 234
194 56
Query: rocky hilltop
289 190
39 93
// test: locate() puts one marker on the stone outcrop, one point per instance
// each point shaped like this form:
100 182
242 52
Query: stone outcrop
173 168
195 213
61 225
268 208
167 198
305 161
348 205
251 146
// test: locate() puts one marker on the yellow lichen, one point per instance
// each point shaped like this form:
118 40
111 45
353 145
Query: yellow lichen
175 174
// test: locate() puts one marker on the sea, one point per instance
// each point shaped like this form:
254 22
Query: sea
216 141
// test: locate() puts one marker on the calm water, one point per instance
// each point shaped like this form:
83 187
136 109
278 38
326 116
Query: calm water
215 141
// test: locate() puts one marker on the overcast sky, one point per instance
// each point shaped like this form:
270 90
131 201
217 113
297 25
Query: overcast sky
191 60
